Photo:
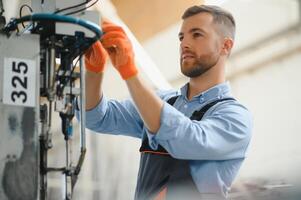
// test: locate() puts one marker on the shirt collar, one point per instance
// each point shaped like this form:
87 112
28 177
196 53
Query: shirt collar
218 91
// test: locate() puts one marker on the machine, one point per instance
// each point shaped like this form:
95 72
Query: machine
41 75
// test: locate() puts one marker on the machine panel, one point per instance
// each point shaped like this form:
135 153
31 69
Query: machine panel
19 118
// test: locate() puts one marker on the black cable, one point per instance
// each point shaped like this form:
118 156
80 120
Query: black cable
71 7
1 8
77 11
20 12
69 78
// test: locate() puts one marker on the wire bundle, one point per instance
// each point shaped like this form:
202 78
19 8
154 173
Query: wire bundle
76 6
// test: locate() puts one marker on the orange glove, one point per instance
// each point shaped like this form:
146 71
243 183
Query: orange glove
120 49
95 58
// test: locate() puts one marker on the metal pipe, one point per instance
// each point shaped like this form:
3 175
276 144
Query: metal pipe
67 184
47 71
51 72
82 103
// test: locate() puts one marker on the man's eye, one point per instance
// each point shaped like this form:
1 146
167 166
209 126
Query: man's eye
197 35
181 38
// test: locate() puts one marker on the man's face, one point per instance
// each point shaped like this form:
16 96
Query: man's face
200 45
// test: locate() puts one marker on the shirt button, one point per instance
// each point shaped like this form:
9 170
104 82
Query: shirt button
202 99
185 106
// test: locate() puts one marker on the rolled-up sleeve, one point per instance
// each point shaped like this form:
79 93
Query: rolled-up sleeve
223 133
114 117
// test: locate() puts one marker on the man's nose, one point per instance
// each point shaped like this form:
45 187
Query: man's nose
185 44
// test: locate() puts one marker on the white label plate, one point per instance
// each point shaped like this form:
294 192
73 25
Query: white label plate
19 82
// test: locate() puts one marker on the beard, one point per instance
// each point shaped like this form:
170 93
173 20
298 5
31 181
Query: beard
199 66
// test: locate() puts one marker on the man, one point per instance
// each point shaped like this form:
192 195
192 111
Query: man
193 140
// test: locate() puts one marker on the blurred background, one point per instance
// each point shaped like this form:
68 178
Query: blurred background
264 72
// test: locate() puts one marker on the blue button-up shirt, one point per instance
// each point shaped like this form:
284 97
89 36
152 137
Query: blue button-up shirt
216 145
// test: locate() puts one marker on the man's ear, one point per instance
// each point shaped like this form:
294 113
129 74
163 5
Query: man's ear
227 46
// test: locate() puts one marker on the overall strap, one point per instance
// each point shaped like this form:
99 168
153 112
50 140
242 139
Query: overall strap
198 115
172 100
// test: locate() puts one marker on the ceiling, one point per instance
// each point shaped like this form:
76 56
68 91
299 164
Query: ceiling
146 18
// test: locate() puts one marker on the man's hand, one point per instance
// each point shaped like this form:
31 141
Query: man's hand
95 58
120 49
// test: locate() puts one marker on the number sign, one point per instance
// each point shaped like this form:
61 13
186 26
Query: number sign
19 82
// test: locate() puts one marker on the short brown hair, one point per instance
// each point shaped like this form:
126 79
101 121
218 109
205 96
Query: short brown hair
221 17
